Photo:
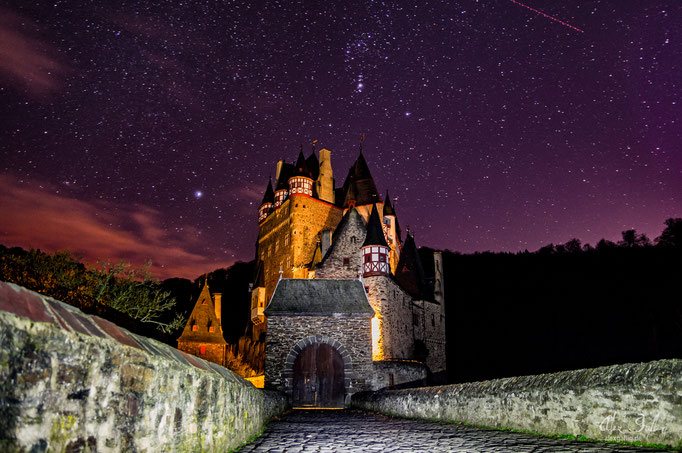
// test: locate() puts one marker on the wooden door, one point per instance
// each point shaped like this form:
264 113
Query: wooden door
318 377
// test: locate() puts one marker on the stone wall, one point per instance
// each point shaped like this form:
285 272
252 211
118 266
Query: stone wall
72 382
434 335
345 333
632 402
396 373
393 322
347 240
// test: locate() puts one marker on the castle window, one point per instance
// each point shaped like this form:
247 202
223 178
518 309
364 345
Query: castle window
368 258
433 320
211 329
194 328
382 258
415 319
202 349
353 239
387 221
346 262
367 289
203 302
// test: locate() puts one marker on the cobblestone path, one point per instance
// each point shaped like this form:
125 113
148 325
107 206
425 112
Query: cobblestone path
351 431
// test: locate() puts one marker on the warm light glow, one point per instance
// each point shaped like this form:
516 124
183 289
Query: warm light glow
377 339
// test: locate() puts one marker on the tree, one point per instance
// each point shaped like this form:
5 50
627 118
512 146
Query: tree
672 234
134 292
573 246
631 239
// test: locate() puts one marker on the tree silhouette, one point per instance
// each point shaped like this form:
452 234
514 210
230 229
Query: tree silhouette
672 234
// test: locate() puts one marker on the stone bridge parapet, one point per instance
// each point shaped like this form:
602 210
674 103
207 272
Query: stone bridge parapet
73 382
639 402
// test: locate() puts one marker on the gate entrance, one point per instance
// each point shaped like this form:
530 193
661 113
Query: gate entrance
318 377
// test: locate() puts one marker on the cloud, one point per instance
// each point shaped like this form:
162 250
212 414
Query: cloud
25 61
35 216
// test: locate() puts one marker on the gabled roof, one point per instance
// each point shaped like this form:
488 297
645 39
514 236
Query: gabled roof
203 310
410 274
298 296
352 217
269 196
375 231
360 180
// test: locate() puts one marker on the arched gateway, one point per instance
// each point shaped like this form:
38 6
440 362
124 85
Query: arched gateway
319 345
319 370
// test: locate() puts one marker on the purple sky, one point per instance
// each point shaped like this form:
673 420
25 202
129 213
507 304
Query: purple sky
497 128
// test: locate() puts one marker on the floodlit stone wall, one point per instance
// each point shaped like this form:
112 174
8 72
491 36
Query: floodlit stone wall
394 321
73 382
632 402
396 373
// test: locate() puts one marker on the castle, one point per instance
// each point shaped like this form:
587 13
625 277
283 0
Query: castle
339 300
342 297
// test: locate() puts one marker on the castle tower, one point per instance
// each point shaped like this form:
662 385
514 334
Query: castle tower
301 183
325 181
266 204
375 250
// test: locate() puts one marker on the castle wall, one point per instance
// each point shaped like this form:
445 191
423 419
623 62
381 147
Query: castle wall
434 335
73 382
350 332
288 237
393 321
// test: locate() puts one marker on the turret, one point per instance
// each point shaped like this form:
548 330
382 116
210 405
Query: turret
375 250
266 204
325 181
301 182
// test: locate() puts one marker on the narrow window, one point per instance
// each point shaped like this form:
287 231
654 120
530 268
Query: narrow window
415 319
194 328
367 289
202 348
433 320
346 262
391 379
211 329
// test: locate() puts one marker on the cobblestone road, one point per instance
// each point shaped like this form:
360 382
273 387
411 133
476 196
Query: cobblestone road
351 431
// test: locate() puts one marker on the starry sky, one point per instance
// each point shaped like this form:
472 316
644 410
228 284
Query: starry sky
147 130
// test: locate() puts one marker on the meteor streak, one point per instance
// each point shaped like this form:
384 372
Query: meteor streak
547 15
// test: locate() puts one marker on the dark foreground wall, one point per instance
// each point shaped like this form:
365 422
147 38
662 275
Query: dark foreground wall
72 382
631 402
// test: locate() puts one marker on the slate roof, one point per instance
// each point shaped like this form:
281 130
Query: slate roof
375 231
301 167
410 274
388 207
269 196
298 296
360 181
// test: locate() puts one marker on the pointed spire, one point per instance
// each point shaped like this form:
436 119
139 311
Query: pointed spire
375 231
388 208
301 165
269 196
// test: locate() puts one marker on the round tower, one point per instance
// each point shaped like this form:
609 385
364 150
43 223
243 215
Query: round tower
375 250
281 191
266 204
301 182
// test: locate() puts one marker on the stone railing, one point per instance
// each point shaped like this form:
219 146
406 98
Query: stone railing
627 403
73 382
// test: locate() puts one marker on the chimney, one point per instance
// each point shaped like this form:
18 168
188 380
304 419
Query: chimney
217 302
325 241
280 164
